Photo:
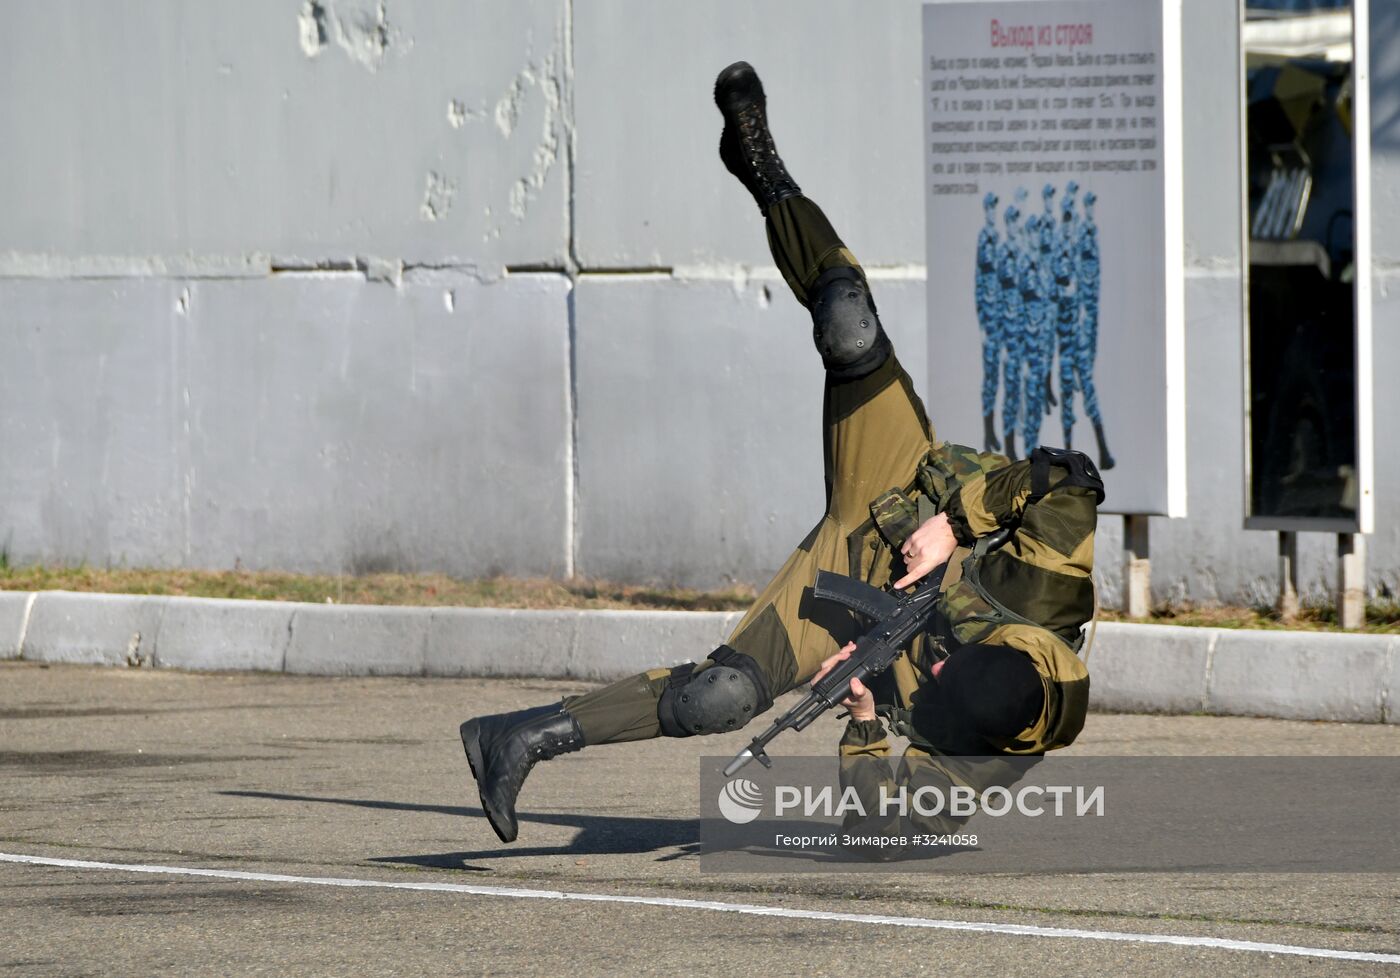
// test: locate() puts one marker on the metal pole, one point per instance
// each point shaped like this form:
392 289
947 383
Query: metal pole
1351 580
1287 575
1137 567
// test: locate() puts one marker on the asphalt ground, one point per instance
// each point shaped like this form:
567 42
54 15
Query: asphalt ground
363 781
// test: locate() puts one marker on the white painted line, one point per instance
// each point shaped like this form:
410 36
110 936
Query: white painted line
516 893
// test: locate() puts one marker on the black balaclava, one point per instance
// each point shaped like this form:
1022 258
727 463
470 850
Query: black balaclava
985 693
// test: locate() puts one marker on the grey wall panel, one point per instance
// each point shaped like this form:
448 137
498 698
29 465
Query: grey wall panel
417 130
843 87
1383 546
699 424
351 426
315 423
90 417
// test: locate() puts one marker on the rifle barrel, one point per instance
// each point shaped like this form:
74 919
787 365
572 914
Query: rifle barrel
740 759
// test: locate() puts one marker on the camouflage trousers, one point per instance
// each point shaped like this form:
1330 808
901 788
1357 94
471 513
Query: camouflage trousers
875 434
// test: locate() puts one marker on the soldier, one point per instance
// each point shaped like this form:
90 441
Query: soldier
1013 325
988 293
1047 201
1046 251
1008 620
1071 192
1036 289
1067 310
1087 348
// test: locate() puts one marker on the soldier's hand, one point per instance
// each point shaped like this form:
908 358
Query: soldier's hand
927 547
861 702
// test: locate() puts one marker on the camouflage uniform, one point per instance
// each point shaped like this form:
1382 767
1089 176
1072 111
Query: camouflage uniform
877 436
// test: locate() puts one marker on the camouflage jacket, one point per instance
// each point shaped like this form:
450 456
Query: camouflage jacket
1035 592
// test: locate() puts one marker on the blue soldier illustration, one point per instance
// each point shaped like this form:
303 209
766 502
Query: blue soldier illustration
1047 218
1046 248
1062 265
1013 316
1028 283
1087 349
988 292
1037 292
1068 202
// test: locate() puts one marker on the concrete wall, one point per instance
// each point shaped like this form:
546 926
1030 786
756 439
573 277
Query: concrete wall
349 284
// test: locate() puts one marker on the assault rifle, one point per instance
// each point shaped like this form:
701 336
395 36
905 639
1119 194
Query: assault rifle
897 619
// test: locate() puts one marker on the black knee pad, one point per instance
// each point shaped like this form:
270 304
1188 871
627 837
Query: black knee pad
845 326
723 697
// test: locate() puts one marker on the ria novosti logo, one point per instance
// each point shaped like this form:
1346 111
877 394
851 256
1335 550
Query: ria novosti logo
740 801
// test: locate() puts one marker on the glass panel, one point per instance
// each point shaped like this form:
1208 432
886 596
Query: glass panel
1300 149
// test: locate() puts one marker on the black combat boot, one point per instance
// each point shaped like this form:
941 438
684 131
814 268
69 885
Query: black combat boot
1105 459
502 749
989 434
1011 445
746 146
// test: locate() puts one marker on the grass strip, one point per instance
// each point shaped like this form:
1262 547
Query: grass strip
441 590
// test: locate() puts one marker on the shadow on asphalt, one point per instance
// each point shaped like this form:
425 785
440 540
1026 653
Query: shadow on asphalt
606 835
598 834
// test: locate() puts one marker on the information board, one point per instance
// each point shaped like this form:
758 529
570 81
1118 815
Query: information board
1052 164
